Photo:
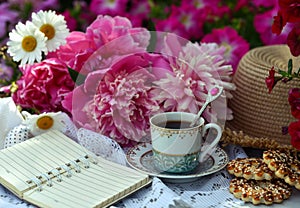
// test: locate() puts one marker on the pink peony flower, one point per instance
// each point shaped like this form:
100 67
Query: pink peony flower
76 51
43 86
109 36
196 69
117 102
235 45
116 49
108 7
113 28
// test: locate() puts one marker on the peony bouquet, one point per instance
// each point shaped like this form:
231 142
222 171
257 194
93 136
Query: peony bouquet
113 77
107 67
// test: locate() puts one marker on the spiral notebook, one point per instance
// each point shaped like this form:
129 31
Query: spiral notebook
51 170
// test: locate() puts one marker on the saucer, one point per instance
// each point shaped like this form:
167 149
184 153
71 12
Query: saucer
140 158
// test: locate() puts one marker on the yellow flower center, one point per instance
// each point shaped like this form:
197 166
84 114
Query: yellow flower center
48 30
45 122
29 43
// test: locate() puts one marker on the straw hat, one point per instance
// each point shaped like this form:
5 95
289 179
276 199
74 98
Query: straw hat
258 115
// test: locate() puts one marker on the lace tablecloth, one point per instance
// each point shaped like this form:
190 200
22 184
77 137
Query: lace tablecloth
207 192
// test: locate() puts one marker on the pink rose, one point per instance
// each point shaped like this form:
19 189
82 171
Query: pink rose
43 86
117 102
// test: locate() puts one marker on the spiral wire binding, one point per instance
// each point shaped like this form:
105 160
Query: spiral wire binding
67 169
56 174
85 161
76 166
47 178
38 180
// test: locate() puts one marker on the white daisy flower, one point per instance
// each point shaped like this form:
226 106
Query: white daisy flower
38 124
53 26
26 43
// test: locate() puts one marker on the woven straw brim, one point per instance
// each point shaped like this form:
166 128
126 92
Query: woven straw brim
257 113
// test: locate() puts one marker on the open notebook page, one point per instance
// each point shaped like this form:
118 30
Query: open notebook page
21 162
97 186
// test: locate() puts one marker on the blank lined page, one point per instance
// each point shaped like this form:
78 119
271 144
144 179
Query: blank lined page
99 185
41 154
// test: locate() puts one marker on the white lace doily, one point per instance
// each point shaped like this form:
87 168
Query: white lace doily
101 146
207 192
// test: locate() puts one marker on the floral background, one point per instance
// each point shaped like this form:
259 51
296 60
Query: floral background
126 78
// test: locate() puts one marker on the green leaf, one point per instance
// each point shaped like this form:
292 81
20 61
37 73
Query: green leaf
290 66
283 73
77 78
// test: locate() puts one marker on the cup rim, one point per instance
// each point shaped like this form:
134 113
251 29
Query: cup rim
176 112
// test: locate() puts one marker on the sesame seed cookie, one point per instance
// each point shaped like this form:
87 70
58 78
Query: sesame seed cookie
250 168
260 192
285 165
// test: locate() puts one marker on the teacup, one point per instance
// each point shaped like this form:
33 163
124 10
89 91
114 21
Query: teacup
176 146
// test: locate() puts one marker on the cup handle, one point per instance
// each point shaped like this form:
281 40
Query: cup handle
215 141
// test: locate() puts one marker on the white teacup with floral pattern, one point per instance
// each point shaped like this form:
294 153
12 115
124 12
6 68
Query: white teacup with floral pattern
176 146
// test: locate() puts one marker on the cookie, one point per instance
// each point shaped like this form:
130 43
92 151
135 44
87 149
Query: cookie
260 192
250 168
285 166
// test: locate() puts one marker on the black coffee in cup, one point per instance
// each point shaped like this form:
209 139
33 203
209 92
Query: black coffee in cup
175 124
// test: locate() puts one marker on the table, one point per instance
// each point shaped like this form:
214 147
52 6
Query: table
208 191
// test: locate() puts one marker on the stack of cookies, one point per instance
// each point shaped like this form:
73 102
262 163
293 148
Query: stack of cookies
265 180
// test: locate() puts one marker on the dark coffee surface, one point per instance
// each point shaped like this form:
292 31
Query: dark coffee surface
174 124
